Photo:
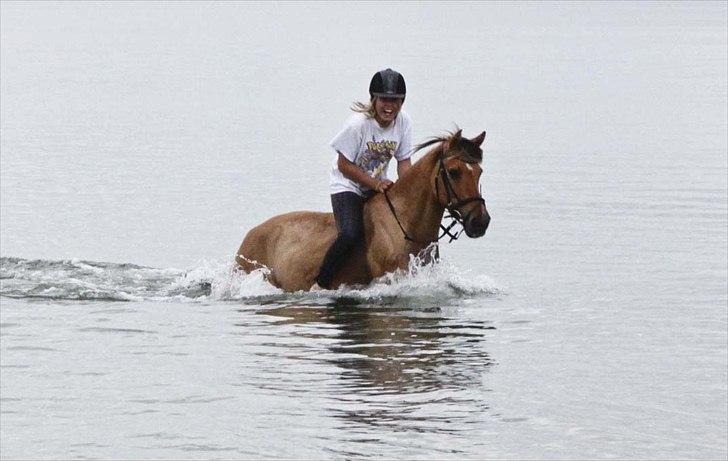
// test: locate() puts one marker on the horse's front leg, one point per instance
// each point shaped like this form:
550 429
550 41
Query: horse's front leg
415 255
384 256
388 264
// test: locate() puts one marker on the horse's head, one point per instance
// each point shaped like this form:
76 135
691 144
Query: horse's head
457 182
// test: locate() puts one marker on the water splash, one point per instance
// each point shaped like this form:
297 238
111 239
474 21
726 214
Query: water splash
442 280
217 281
75 279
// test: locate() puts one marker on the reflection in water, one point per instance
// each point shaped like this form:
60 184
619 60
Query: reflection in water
392 367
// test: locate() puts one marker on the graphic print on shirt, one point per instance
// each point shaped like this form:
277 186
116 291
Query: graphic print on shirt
375 158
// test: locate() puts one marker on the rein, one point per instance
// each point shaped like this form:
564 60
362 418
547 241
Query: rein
451 207
394 213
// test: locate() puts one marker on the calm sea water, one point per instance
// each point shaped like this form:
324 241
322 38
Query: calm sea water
140 141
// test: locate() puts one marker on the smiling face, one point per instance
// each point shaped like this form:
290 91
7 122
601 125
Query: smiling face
386 109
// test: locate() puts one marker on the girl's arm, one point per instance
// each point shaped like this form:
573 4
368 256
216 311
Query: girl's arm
353 172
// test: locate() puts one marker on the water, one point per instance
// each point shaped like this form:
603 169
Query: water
141 141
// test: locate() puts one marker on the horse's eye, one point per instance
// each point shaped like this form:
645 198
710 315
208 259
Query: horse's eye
454 173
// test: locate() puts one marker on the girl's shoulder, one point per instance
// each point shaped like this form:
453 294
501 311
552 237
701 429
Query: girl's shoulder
357 121
404 119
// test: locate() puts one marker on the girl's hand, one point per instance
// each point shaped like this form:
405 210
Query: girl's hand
383 185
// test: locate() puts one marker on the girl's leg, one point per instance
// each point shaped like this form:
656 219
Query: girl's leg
348 208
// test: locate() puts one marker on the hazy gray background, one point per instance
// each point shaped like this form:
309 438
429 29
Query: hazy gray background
158 133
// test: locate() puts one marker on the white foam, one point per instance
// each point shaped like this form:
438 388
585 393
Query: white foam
226 283
438 280
218 280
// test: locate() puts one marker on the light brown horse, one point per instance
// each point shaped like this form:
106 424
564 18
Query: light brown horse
292 246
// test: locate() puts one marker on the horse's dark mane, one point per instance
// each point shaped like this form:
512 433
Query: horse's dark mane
429 142
468 151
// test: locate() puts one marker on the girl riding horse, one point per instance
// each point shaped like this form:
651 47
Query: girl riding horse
290 248
378 131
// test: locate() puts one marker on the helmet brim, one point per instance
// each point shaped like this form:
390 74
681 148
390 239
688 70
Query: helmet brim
388 95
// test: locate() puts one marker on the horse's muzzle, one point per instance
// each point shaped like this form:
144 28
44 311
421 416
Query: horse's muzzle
475 226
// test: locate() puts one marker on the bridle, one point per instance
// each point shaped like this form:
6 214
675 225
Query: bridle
452 206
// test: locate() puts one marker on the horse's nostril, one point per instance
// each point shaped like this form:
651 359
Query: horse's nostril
476 225
481 221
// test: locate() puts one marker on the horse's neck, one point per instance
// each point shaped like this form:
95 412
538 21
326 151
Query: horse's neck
416 202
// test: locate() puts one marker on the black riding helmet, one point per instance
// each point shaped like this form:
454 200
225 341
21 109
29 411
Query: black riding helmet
388 83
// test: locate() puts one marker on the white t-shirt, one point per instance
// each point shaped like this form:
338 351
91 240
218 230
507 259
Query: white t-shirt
365 143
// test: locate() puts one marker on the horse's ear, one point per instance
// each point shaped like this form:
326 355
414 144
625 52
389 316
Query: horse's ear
455 139
478 140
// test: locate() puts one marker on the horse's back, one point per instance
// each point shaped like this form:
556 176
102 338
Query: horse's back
291 245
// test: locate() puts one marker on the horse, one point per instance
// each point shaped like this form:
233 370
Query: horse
403 221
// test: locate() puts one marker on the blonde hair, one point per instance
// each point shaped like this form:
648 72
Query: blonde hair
366 109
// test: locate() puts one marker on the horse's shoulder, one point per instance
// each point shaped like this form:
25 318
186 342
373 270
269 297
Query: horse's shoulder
375 205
